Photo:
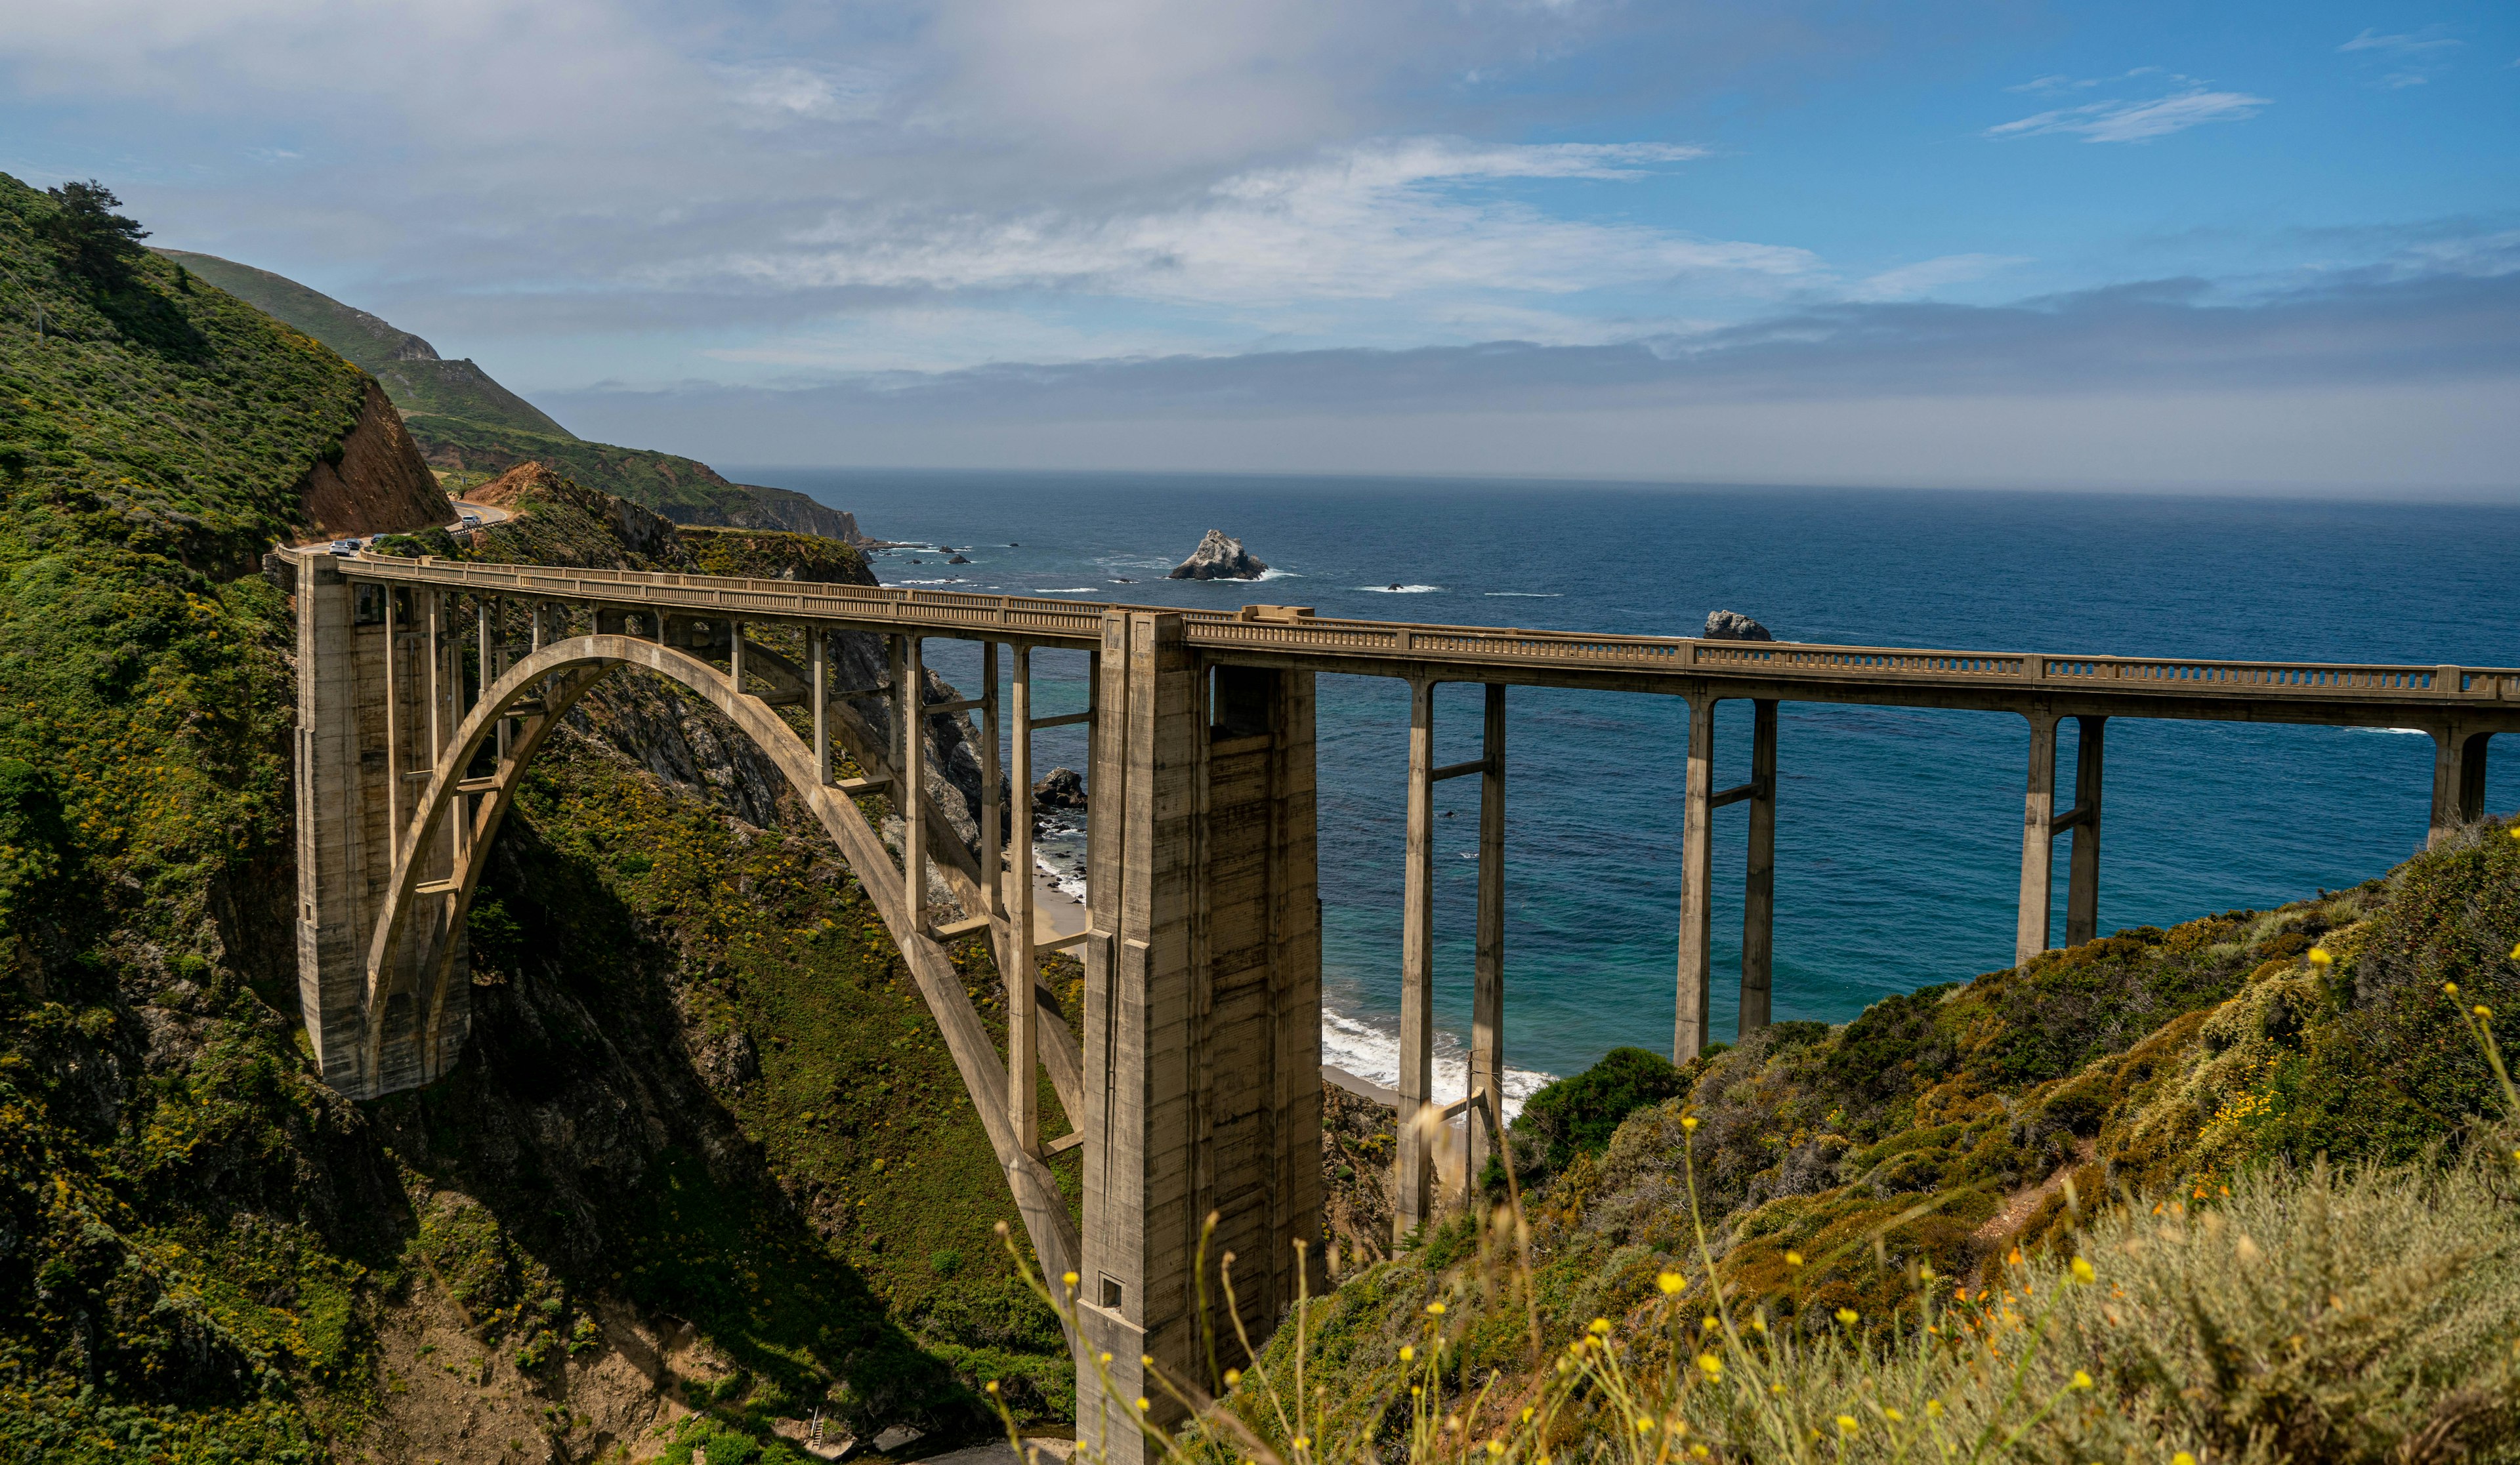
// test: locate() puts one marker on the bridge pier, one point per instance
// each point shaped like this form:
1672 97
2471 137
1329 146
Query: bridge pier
375 688
2459 778
1202 1017
2040 826
1693 1027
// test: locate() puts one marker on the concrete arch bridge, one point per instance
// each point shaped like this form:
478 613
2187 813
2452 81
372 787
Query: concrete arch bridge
1193 1075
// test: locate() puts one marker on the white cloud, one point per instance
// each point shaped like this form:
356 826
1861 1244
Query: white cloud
1412 217
2137 121
2411 57
1928 275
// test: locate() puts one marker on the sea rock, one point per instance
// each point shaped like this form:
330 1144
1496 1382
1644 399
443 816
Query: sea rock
958 559
1219 558
1064 789
1733 625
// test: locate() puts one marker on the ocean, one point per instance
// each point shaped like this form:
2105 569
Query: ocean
1898 831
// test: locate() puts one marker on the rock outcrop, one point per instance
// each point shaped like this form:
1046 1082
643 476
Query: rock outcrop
1063 791
378 485
1219 557
1733 625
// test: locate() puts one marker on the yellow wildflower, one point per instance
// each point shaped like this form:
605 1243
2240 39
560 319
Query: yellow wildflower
1933 1409
1670 1282
2081 1380
2183 1458
1069 1278
1599 1326
2318 956
1710 1365
1496 1447
1697 1452
1793 1259
2452 987
1644 1426
1848 1316
1408 1353
1894 1416
1232 1376
2484 1011
1846 1425
2083 1272
1690 1124
1142 1405
1434 1310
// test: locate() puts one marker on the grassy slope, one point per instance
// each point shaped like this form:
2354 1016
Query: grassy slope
202 1245
2151 1067
472 428
413 375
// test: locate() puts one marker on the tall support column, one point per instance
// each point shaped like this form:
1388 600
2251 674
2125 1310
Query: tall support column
1414 1173
993 879
1692 1027
734 652
1759 875
818 674
1024 1012
393 716
2083 872
2038 839
910 772
1487 999
2458 780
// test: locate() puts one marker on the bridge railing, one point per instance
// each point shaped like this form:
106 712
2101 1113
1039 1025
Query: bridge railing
1279 629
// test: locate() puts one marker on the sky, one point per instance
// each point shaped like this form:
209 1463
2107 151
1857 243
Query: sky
1993 243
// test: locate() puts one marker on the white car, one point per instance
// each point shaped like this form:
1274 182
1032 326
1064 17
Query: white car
346 547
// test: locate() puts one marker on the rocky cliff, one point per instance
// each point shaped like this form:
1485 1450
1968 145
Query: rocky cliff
377 484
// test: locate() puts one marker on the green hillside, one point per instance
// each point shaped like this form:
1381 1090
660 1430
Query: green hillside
418 380
205 1254
472 428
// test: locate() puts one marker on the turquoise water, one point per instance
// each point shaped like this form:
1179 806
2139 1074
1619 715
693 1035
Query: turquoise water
1897 837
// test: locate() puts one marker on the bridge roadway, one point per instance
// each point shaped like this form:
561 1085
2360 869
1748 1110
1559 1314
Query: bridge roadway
1193 1083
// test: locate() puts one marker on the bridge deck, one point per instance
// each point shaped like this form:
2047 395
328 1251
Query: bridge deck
2203 689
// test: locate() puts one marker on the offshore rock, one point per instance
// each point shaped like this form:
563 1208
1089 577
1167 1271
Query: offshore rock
1219 558
1733 625
1064 789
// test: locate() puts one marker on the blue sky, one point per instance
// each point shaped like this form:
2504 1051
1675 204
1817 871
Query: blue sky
2153 246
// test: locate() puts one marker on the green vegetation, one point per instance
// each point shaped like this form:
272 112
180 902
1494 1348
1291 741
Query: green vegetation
2277 1140
203 1249
470 429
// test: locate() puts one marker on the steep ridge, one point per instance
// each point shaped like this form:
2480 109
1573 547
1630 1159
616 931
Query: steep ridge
468 424
705 1155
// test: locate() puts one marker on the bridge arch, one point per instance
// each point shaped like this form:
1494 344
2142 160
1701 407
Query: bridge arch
409 953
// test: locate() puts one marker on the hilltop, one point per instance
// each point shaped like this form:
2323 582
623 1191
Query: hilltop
470 427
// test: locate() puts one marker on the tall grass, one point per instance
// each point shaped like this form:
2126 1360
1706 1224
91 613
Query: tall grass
2310 1315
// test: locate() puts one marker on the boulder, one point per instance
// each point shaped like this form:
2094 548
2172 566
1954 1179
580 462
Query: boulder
1064 789
1218 557
1733 625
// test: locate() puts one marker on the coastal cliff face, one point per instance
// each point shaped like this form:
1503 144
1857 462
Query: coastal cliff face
377 483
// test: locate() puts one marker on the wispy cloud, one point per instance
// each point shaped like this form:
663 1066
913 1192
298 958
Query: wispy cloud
1411 217
1929 275
2137 121
2410 58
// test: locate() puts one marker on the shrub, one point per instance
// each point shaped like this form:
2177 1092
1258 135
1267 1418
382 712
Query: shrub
1579 1115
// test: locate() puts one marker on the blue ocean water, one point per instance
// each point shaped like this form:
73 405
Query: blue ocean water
1897 838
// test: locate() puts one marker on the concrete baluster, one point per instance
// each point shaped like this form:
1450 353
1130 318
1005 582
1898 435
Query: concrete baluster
1024 1089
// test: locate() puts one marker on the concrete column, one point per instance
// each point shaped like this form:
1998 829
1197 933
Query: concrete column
1759 875
2458 780
1487 1000
818 675
1203 1016
1022 967
333 840
2038 839
909 764
1414 1175
2083 873
1691 1030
